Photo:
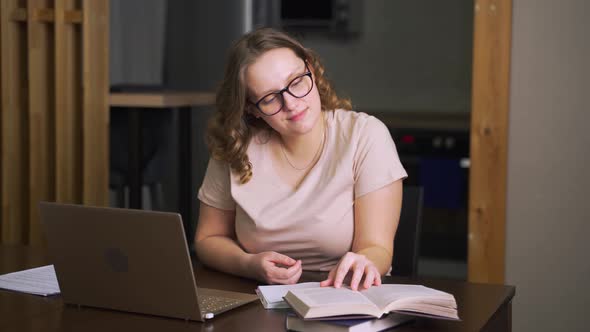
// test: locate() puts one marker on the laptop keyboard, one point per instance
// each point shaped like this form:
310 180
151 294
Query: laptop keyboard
209 303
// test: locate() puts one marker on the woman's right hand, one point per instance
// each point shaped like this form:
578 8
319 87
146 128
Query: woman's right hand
274 268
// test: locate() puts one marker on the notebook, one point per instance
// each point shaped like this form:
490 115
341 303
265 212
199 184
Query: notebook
129 260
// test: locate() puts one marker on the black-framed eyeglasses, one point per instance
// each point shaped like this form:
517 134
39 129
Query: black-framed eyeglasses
273 102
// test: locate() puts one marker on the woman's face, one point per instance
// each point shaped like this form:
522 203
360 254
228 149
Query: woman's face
272 72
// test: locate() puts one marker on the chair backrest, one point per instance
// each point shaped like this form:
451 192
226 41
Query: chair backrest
407 238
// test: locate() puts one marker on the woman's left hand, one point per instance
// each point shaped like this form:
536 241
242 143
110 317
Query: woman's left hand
362 269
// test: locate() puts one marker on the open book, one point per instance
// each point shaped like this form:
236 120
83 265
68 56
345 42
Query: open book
410 299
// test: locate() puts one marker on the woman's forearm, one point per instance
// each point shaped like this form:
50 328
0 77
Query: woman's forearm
224 254
379 256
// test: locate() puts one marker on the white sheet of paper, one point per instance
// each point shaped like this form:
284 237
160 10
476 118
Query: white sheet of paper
273 294
39 281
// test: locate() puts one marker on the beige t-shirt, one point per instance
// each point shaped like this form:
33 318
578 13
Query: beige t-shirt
313 223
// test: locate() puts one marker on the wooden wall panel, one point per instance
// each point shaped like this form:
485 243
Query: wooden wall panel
68 126
14 144
54 120
95 102
489 139
41 113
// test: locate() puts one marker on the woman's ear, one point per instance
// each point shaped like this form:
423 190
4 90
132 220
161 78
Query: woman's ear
252 111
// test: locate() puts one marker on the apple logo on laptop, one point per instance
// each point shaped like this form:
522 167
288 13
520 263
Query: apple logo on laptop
116 259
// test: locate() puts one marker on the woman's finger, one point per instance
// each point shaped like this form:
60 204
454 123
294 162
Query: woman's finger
286 274
295 278
330 279
359 270
342 270
281 259
369 277
377 278
279 274
296 270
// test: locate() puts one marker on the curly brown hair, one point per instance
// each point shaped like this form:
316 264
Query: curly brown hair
231 127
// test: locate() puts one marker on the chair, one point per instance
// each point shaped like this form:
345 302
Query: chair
407 238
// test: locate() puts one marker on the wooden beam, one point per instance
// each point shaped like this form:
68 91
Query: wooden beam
40 116
14 159
68 130
489 139
73 16
42 14
95 30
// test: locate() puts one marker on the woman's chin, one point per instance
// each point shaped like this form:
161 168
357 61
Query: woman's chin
307 123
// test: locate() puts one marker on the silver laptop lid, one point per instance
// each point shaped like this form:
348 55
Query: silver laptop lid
129 260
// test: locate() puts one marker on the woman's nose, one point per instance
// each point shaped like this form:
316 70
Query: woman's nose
291 103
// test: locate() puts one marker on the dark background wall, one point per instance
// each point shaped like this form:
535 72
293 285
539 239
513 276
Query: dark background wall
197 38
408 56
137 40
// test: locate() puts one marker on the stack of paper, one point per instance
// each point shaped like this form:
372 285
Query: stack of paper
39 281
272 296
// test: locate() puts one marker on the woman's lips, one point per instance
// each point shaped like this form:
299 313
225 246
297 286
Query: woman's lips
298 116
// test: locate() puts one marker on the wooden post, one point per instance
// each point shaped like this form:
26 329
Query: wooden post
68 105
14 147
489 139
95 43
41 115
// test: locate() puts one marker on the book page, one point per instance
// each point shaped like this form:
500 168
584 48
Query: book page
325 296
385 294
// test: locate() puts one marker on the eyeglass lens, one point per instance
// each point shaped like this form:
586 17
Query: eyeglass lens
298 88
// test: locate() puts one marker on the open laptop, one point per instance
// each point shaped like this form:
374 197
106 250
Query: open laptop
129 260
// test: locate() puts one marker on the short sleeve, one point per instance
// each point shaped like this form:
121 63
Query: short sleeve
216 188
376 162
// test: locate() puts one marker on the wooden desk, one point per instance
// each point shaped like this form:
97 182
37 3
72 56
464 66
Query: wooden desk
183 101
482 307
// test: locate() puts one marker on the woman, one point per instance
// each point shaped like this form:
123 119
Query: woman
296 181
